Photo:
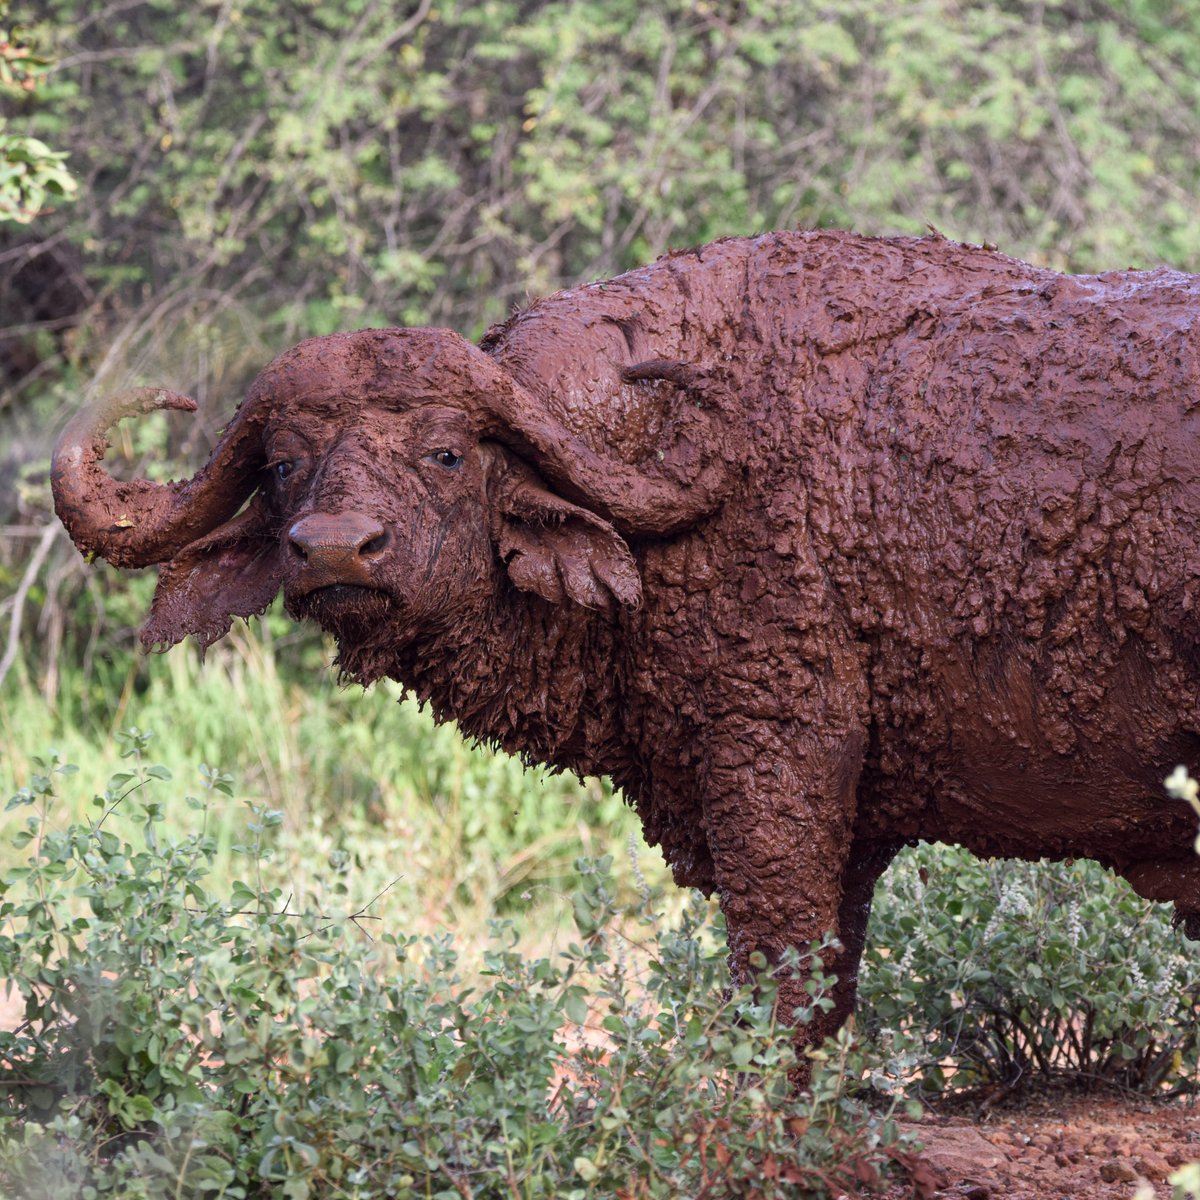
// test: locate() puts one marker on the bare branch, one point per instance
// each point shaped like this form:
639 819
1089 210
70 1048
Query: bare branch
31 572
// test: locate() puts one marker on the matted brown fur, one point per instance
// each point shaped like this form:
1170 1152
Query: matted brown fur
816 544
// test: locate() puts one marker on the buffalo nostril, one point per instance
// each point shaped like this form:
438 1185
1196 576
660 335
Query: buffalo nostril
376 544
297 549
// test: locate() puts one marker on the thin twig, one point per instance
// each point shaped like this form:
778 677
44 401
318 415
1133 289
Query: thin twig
31 572
361 915
110 809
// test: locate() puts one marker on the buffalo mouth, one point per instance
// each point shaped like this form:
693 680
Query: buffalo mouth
334 606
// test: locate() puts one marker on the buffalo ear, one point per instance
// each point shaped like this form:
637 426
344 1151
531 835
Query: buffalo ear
553 548
235 571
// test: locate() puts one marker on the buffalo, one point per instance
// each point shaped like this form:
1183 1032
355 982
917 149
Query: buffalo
816 544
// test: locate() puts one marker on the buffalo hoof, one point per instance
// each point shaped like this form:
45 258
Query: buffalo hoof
1191 926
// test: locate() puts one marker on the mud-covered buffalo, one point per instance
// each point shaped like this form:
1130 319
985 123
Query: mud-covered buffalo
815 544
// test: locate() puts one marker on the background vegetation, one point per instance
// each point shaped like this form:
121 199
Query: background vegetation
243 175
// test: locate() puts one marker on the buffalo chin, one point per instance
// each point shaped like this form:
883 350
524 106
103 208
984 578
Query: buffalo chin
366 623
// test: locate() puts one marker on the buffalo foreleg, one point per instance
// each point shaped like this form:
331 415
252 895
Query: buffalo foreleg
779 809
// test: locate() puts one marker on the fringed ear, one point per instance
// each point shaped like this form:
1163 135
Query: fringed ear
552 547
233 572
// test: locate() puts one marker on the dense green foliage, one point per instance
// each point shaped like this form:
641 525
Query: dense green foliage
180 1043
184 1033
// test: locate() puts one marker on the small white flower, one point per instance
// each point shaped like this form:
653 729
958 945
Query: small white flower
1183 787
1074 924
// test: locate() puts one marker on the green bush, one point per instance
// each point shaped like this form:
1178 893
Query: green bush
30 172
176 1043
1005 973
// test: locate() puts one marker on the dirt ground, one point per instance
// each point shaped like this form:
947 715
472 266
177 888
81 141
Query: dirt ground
1056 1148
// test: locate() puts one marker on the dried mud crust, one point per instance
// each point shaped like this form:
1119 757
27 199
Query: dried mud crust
1081 1148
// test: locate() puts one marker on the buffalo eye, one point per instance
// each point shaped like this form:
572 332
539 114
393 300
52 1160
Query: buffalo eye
447 459
283 469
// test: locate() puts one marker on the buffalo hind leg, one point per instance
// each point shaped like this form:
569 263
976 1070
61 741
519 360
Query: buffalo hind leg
868 861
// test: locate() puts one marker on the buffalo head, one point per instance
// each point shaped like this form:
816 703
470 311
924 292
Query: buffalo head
389 481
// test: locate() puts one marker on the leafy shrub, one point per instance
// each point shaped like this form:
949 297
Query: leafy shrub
999 973
180 1044
30 172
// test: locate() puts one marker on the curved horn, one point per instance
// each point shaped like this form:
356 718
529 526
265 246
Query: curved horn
686 478
135 523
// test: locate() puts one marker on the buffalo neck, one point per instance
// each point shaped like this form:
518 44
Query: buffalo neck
536 679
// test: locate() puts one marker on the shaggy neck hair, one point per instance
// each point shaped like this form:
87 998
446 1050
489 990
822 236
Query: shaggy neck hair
530 677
